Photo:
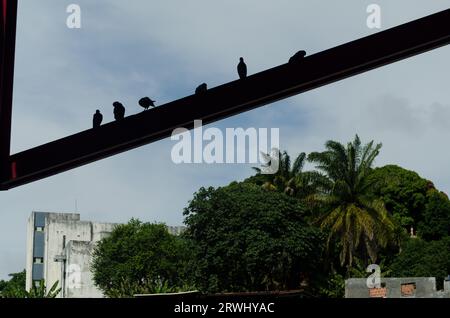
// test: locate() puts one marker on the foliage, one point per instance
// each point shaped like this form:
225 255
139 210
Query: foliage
360 269
334 287
403 192
15 287
434 223
290 178
419 258
413 201
127 288
350 214
40 291
140 258
249 239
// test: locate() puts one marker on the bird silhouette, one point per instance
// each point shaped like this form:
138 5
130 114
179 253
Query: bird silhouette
119 111
201 88
97 120
146 102
242 68
297 57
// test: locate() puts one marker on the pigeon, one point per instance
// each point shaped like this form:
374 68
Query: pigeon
119 111
146 102
297 57
242 68
201 88
97 120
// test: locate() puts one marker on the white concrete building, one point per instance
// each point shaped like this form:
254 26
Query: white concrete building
59 249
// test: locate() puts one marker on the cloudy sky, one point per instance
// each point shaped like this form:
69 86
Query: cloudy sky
129 49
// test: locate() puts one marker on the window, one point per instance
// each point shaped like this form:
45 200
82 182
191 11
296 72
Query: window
38 260
378 292
39 229
408 290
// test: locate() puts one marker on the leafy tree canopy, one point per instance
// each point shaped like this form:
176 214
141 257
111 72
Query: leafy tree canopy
412 200
139 258
15 286
247 238
423 259
290 178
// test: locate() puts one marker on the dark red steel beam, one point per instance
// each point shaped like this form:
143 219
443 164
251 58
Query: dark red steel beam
8 19
231 99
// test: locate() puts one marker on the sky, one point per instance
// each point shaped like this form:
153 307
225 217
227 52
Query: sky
125 50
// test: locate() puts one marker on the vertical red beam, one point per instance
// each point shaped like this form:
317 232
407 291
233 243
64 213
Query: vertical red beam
4 10
8 18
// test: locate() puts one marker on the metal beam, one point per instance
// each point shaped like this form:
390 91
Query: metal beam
231 99
8 17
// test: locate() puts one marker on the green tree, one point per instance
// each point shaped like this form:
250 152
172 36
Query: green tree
434 223
290 177
140 258
247 238
350 215
419 258
15 287
413 201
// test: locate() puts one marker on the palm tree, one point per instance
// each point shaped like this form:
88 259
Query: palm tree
290 178
351 216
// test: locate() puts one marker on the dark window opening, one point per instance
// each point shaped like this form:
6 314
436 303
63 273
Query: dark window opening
38 260
408 289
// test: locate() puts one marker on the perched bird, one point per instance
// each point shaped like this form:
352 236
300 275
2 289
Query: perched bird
242 68
297 57
146 102
119 111
201 88
97 120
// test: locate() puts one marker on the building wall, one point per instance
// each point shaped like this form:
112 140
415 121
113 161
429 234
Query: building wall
65 245
176 230
48 235
58 234
101 230
29 256
79 279
36 245
425 287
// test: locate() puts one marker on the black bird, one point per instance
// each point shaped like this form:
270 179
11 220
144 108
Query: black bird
297 57
97 120
201 88
242 68
146 102
119 111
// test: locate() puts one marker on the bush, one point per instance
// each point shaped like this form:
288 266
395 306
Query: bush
423 259
140 258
